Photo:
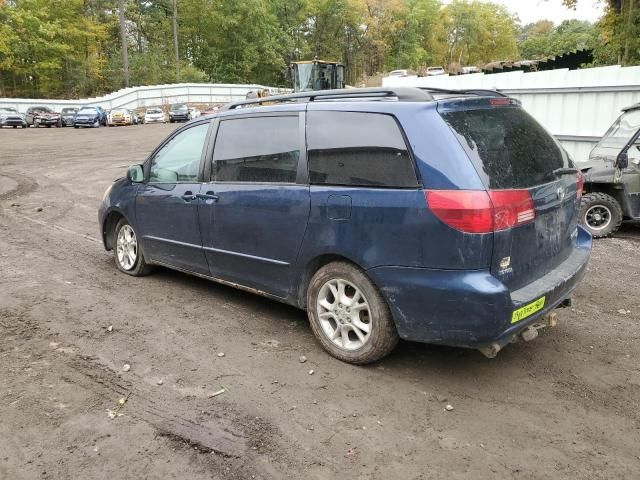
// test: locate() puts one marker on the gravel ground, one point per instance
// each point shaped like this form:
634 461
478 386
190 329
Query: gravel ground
564 406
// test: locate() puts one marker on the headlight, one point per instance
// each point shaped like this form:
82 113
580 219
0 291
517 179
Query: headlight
3 118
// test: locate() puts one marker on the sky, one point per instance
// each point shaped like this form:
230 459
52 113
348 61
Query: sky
533 10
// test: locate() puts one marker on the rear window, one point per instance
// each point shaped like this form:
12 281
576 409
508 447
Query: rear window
357 149
510 148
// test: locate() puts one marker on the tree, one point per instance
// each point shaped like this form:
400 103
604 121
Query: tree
544 39
475 33
123 40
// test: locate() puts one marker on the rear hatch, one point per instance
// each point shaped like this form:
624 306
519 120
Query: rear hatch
529 174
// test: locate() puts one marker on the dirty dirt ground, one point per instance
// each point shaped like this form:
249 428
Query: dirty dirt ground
564 406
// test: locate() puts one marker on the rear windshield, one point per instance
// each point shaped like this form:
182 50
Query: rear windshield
508 146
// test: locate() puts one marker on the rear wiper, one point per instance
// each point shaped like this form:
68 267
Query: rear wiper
564 171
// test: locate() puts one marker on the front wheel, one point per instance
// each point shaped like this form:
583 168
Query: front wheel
349 316
600 214
128 255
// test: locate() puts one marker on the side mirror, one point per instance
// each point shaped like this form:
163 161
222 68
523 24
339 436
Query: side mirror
135 173
622 161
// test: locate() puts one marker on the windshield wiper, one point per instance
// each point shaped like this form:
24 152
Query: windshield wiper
564 171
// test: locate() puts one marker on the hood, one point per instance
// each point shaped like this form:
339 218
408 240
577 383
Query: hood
46 114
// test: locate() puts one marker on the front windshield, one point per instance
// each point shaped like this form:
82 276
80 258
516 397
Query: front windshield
8 110
154 111
43 109
313 76
622 130
69 110
88 110
178 107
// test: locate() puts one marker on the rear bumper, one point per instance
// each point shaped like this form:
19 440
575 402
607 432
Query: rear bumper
472 308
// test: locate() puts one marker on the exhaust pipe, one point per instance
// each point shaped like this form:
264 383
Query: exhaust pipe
528 334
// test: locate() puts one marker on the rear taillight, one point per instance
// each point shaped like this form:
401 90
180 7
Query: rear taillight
480 211
580 185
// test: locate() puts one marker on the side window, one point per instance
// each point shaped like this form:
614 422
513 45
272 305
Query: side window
179 160
259 149
358 149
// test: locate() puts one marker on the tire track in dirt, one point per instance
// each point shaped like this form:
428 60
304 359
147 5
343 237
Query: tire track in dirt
25 186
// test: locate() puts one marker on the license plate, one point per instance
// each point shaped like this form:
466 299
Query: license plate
527 310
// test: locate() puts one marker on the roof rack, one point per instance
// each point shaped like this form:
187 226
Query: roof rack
406 94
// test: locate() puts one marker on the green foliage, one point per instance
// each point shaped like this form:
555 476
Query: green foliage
475 33
544 39
73 48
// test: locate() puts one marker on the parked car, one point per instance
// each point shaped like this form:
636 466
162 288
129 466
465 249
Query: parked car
155 115
612 177
441 217
210 110
90 117
433 71
44 116
66 116
399 73
194 112
179 113
9 117
121 116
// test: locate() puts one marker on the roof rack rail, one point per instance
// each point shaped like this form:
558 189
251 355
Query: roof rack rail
472 91
407 94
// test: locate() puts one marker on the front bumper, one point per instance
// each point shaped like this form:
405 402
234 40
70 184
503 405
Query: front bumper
46 121
13 122
85 122
472 308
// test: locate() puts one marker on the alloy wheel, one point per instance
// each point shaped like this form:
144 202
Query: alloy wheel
598 217
127 247
344 314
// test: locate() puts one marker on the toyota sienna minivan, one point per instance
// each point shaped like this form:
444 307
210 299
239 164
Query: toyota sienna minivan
446 217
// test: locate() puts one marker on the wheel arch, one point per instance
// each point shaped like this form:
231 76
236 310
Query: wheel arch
613 190
109 223
311 267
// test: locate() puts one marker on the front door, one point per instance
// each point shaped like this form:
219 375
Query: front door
254 218
167 203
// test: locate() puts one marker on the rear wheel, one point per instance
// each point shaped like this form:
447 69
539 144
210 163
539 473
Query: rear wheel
601 214
349 316
128 255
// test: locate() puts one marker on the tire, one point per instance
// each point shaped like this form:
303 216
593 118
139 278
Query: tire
137 266
600 214
96 124
373 312
76 126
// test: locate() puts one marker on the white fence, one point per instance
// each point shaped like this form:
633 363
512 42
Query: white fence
148 96
577 106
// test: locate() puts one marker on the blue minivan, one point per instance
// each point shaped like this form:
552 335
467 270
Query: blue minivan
436 216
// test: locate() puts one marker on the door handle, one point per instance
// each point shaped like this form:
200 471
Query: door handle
207 196
188 196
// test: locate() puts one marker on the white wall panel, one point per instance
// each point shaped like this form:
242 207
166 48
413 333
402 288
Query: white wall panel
580 104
